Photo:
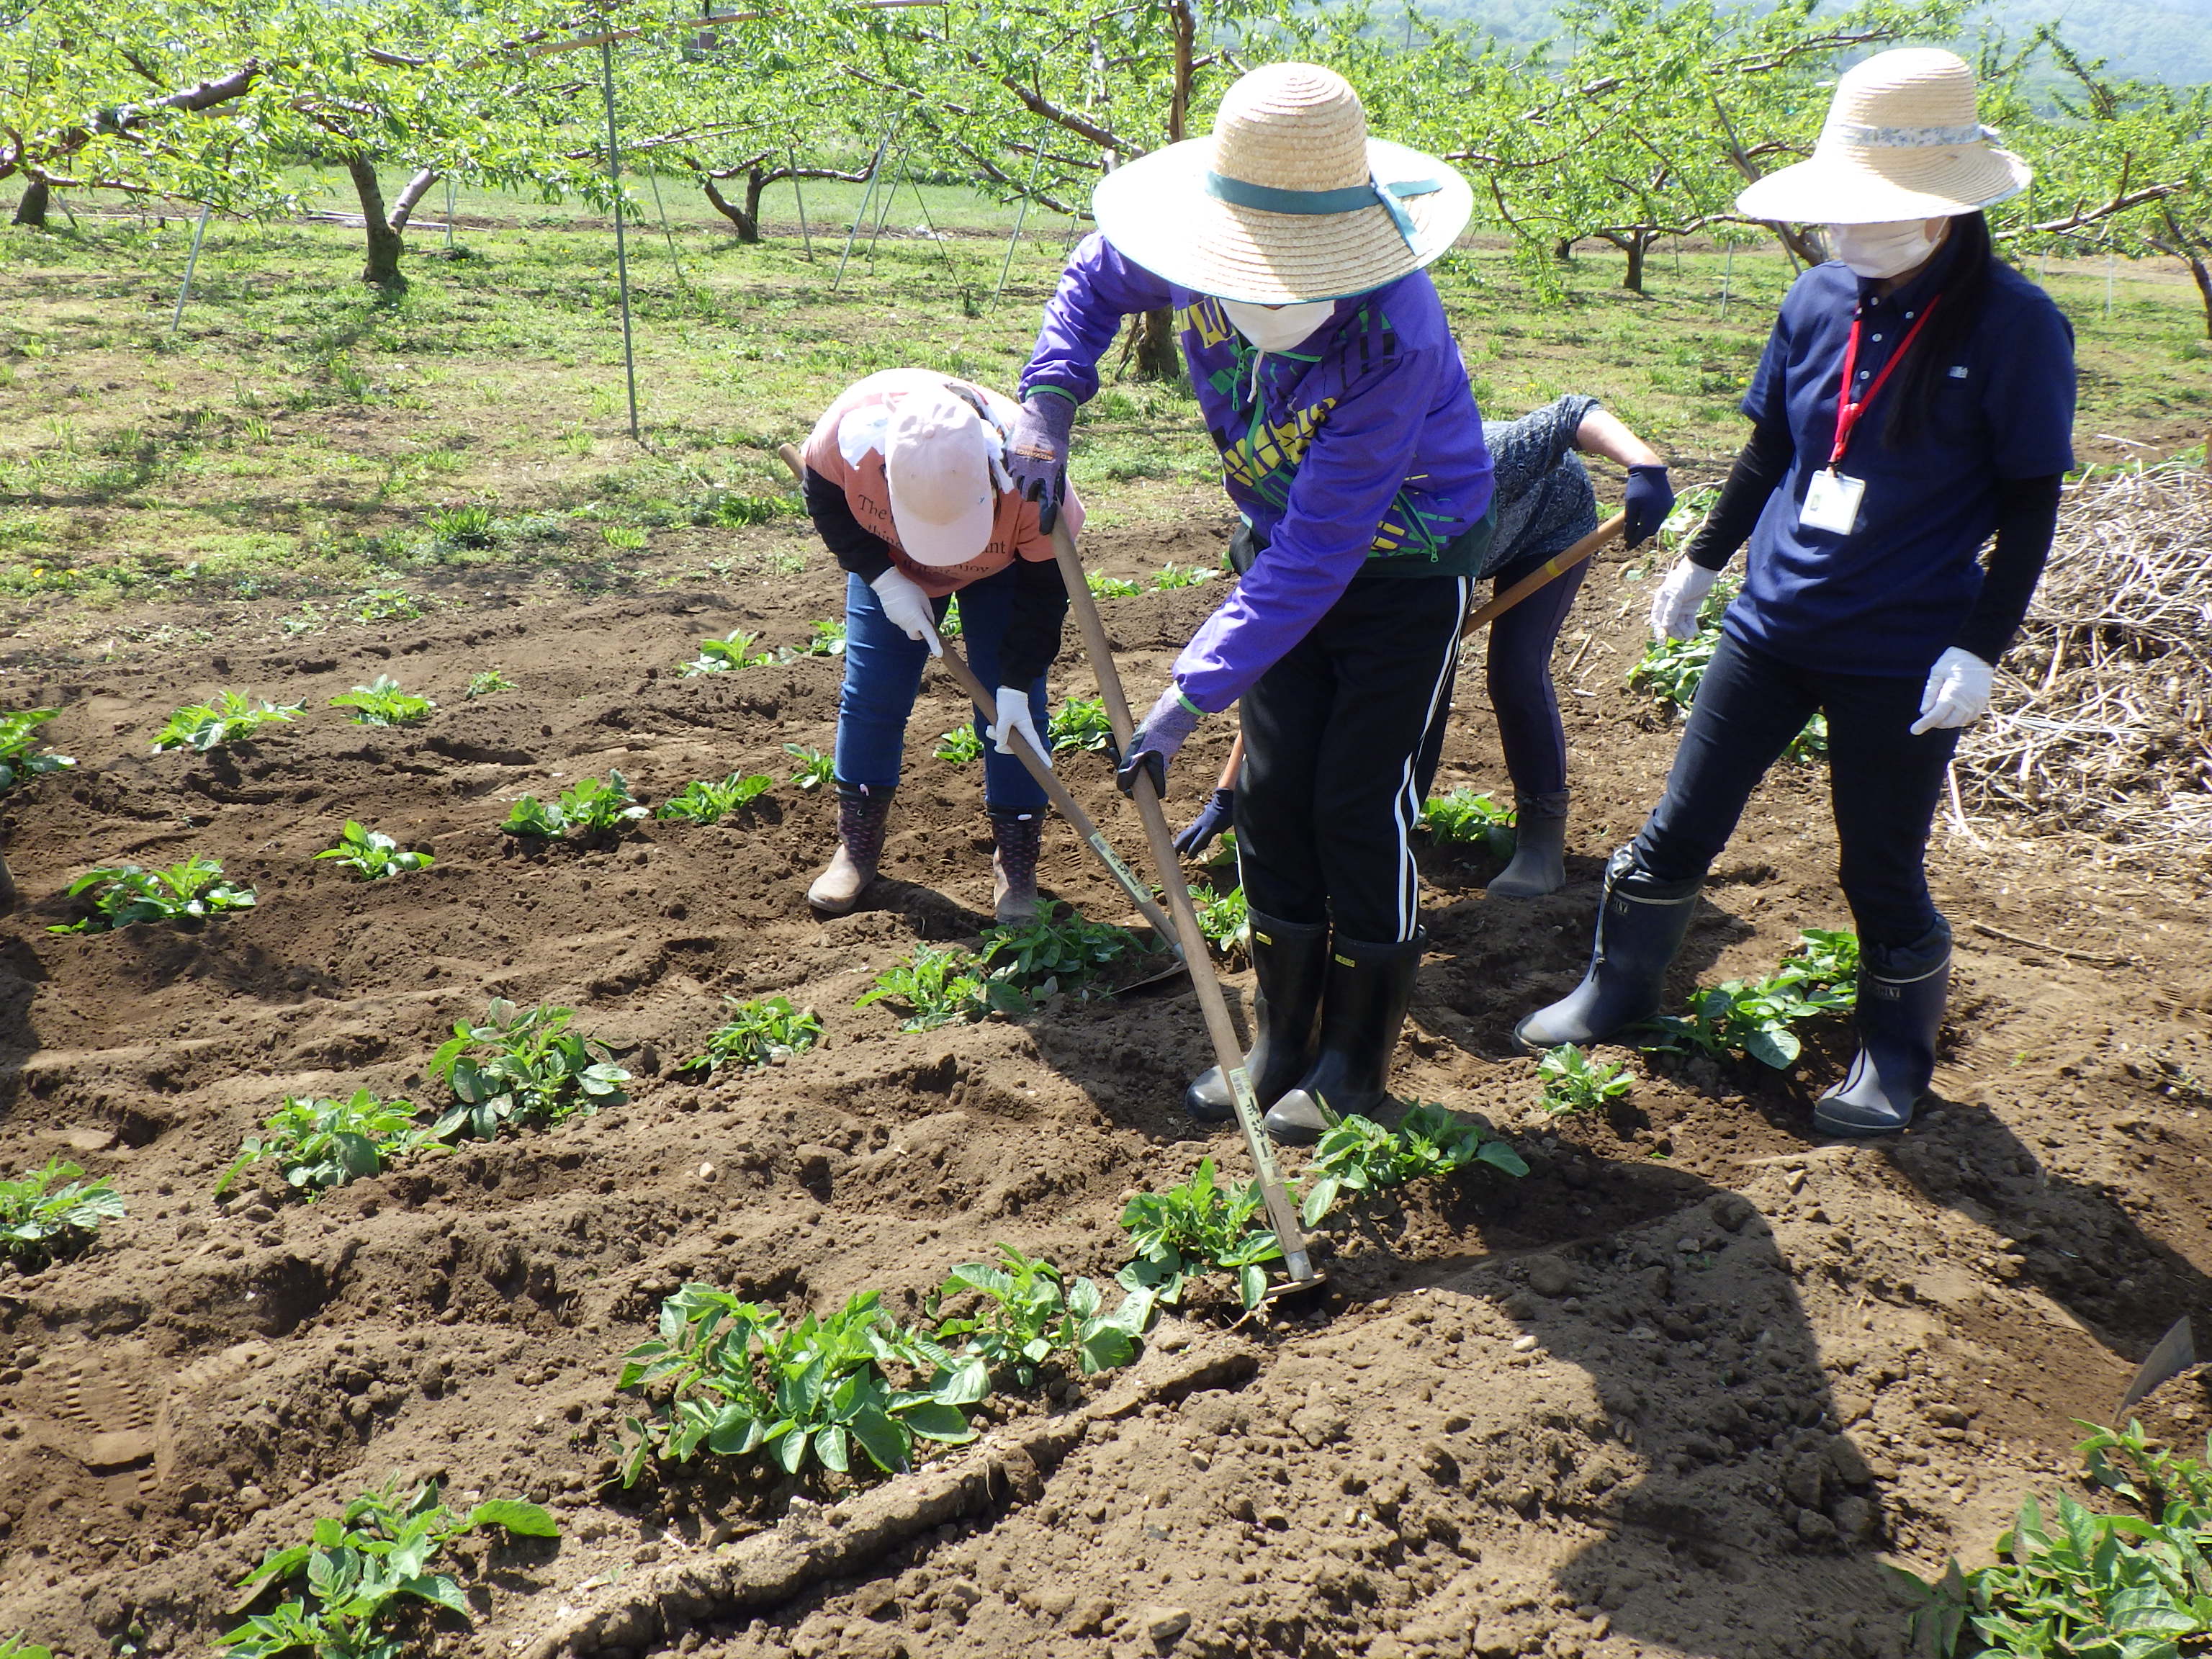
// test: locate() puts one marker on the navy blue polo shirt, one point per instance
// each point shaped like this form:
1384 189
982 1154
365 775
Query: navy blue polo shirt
1891 596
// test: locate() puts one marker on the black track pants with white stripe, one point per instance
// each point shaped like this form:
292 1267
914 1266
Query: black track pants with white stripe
1327 805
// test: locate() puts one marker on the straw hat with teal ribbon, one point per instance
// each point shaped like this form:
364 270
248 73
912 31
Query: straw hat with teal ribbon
1288 200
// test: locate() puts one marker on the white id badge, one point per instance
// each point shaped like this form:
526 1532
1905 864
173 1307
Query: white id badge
1832 502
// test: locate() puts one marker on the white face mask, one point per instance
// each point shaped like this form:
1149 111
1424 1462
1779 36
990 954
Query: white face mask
1278 328
1886 250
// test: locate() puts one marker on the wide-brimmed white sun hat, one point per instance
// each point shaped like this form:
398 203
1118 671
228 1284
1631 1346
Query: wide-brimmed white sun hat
1287 200
1903 141
937 466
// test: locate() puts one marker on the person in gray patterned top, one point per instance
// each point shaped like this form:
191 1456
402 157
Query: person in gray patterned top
1544 504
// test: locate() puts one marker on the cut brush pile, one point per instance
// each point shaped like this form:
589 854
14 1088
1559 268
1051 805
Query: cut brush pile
2108 733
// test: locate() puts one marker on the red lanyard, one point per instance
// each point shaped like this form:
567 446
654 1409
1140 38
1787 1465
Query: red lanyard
1847 412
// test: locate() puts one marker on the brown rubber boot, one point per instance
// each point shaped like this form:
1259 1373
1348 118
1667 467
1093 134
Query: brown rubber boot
1015 838
861 814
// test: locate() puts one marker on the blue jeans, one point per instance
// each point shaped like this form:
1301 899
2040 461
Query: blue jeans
1884 782
883 673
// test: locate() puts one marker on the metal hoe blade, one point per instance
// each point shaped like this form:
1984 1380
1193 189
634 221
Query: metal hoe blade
2175 1353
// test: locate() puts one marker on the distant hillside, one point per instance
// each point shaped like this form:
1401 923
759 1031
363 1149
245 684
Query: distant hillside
2157 40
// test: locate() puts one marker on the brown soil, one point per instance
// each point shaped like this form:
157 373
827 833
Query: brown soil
1676 1393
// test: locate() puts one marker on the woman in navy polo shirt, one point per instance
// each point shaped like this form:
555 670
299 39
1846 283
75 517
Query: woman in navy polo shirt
1916 397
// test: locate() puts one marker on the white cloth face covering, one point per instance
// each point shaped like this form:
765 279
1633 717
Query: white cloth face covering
1874 252
1278 328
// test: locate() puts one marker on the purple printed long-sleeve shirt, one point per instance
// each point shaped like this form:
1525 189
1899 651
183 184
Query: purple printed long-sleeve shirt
1357 452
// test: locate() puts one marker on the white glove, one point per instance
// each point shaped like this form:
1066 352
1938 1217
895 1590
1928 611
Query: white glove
1675 606
1957 692
1014 716
909 608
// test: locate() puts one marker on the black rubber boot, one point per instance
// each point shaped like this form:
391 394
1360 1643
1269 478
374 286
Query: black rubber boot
1015 838
1539 849
1290 960
1900 1009
1641 923
1362 1007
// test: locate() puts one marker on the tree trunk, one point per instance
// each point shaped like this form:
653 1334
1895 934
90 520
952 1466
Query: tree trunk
746 218
1633 278
386 245
1157 356
1564 250
32 209
2203 275
1184 22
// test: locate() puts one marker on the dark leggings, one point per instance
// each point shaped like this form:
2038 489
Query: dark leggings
1521 697
1884 782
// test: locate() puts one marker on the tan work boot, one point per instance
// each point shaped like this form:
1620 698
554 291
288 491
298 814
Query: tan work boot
861 815
1015 838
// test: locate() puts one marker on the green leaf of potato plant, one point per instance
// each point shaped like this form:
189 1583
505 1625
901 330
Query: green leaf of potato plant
50 1212
321 1144
1199 1227
229 716
1027 1312
1082 724
741 1381
1573 1082
592 805
1465 818
960 745
761 1031
123 895
353 1581
1360 1157
726 655
815 769
372 855
1755 1017
707 801
524 1068
20 757
382 702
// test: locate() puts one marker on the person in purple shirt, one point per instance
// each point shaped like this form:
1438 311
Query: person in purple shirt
1291 248
1915 398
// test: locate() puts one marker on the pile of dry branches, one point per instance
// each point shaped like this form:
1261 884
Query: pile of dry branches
2101 725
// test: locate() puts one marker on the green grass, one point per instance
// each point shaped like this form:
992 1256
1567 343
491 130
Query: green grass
302 439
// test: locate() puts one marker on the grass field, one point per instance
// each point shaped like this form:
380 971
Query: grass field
298 435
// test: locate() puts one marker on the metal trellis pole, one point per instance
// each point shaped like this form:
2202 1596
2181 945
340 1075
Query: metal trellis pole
191 263
890 200
449 213
654 174
621 251
1727 278
798 194
1021 217
860 217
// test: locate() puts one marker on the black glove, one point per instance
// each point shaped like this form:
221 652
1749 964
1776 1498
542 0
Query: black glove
1213 818
1647 502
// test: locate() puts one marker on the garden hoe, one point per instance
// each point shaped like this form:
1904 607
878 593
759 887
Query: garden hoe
1557 565
1067 804
1282 1213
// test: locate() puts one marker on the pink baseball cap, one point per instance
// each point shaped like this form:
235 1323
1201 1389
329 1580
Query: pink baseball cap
937 464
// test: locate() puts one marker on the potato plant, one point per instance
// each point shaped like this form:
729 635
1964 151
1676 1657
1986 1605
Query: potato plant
1756 1017
939 984
1199 1227
20 756
321 1143
1671 670
707 801
1104 586
372 854
1062 952
1027 1311
41 1220
960 745
357 1588
1573 1082
827 640
488 682
387 604
382 702
1360 1157
727 654
1464 818
228 717
740 1380
522 1068
1082 723
593 806
814 770
123 895
1223 917
20 1646
1171 576
761 1031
